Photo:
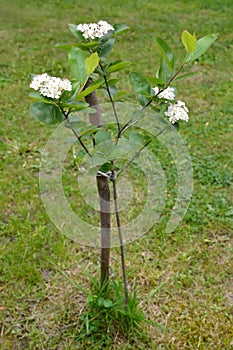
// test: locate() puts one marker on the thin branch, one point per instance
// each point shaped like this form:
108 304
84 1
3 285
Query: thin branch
120 240
66 115
177 72
128 125
110 97
147 105
133 158
138 152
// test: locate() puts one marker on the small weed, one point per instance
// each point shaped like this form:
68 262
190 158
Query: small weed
105 314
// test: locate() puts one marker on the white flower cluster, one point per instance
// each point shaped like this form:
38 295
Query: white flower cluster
94 30
177 111
51 87
168 93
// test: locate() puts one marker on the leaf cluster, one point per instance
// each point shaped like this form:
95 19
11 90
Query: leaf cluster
92 71
167 72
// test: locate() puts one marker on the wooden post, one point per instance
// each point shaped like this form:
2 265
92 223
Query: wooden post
105 222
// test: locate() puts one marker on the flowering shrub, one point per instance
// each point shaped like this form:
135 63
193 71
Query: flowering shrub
60 100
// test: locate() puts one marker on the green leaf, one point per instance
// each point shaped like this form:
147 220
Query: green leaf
143 100
106 167
139 83
120 28
202 46
155 81
83 46
189 41
77 106
36 95
104 148
91 44
77 64
102 136
164 73
99 158
115 67
106 36
46 113
120 94
102 151
88 46
64 46
137 115
187 75
166 53
124 149
105 47
136 136
92 87
100 301
78 35
112 81
90 130
77 125
107 303
91 63
69 96
81 128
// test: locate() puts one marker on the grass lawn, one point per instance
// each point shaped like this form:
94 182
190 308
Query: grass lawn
185 278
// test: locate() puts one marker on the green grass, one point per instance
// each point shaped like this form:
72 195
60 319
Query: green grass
184 279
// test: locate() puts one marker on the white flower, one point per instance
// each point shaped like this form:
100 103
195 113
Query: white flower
94 30
168 93
177 111
51 87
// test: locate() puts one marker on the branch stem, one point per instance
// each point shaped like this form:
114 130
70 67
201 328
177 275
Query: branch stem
120 240
66 115
133 158
176 73
111 99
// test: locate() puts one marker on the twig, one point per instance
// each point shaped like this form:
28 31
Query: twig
177 72
138 152
120 240
66 115
133 158
110 97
